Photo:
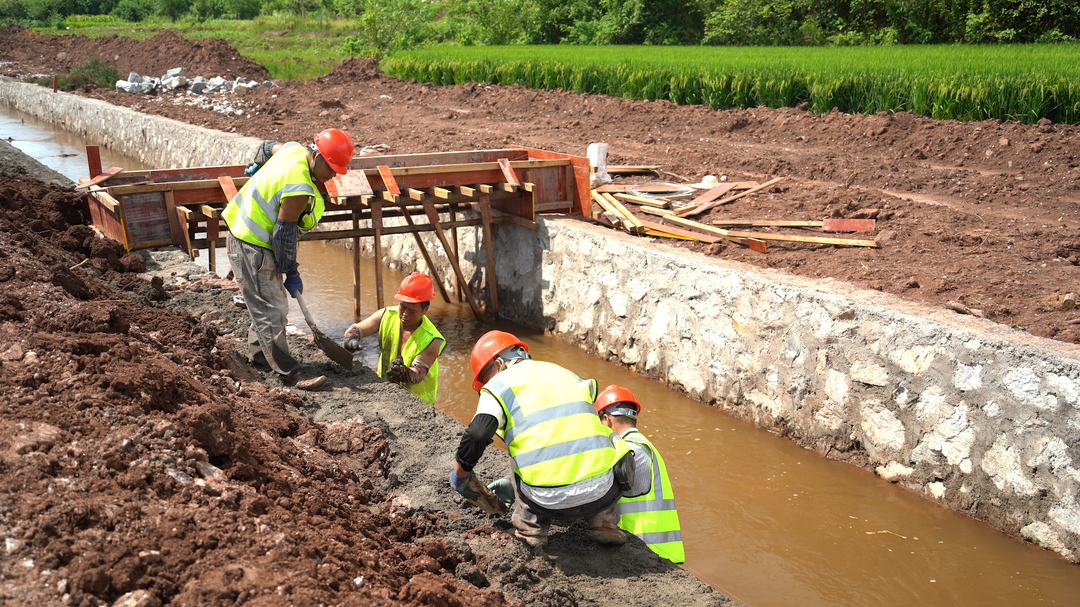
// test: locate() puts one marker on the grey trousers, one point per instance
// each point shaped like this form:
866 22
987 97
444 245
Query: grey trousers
262 286
530 520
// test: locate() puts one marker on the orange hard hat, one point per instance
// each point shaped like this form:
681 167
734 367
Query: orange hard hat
485 350
336 148
416 288
615 394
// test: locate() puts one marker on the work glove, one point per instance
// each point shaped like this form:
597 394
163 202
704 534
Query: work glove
397 371
460 484
251 169
504 490
294 285
352 339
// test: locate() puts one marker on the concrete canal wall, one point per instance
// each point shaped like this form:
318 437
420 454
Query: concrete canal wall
979 418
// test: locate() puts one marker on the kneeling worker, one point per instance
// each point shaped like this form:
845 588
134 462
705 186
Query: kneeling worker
651 516
266 218
409 345
567 465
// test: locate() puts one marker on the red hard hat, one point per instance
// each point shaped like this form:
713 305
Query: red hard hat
336 148
486 348
615 394
416 288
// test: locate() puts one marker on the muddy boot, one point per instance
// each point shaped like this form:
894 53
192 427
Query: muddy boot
534 541
607 535
301 381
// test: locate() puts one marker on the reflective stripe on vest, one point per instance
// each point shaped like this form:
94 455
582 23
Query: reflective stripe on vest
251 214
390 335
653 516
552 430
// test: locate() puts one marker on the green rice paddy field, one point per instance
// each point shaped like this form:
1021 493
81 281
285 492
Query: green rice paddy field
1022 82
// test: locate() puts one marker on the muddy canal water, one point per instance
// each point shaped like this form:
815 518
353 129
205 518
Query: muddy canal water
763 520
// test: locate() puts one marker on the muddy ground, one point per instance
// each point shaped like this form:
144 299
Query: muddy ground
145 463
982 214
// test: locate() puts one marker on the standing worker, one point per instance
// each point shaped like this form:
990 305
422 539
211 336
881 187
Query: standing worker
409 344
651 516
567 465
266 218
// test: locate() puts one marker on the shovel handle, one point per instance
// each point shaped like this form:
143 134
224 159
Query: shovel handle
303 308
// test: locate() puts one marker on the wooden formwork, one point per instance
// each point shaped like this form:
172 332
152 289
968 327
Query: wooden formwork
143 209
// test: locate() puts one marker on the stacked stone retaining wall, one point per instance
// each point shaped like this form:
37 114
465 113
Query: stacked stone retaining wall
972 415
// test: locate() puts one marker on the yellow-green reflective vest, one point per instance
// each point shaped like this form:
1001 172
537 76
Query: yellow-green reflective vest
252 212
552 430
390 335
652 516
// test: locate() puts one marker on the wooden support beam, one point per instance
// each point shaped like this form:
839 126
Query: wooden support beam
93 160
753 243
443 193
183 215
454 238
356 266
432 270
388 180
174 220
508 172
508 187
554 205
489 248
623 211
433 219
465 190
389 196
107 174
377 225
528 187
487 189
415 194
656 211
212 228
837 224
767 223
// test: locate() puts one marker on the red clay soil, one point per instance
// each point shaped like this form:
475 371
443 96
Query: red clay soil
135 461
981 215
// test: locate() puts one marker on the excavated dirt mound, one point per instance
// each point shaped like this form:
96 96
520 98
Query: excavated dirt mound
981 217
49 54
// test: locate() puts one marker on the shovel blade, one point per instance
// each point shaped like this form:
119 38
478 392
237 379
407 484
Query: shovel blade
333 349
487 501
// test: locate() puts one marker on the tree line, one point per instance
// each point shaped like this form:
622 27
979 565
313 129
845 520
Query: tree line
388 25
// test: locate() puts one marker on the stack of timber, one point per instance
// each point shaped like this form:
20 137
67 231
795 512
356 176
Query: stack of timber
664 217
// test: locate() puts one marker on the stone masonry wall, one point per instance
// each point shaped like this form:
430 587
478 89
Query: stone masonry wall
979 418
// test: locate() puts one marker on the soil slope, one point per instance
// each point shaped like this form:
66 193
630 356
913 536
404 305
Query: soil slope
144 463
980 214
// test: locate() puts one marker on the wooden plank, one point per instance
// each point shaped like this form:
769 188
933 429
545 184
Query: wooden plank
175 186
105 175
621 210
613 188
432 270
183 215
433 219
377 224
489 248
662 234
93 160
811 239
388 180
228 187
508 172
211 236
353 183
486 189
705 207
655 211
555 205
465 190
616 219
528 187
415 194
508 187
677 232
454 239
643 200
712 194
577 180
319 235
391 197
767 223
436 158
441 193
174 221
836 224
753 243
631 169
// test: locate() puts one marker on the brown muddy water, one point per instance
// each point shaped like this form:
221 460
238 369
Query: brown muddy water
763 520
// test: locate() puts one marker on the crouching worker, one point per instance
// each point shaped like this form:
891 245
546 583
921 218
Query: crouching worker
266 219
651 516
567 465
409 344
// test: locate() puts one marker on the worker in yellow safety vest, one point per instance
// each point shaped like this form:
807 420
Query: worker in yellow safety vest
279 203
651 516
409 344
567 465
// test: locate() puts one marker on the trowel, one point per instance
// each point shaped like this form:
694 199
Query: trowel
332 348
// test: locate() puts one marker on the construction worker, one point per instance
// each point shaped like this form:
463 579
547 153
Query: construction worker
266 218
651 516
409 344
567 465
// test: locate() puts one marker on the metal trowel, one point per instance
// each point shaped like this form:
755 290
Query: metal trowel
332 348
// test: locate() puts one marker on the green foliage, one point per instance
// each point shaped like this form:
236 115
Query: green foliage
12 11
172 8
201 10
387 26
93 72
243 9
1023 83
132 10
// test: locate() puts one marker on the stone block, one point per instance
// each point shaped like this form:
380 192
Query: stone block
197 87
174 72
133 77
268 84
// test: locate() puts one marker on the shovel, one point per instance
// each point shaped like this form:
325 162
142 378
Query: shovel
487 500
334 350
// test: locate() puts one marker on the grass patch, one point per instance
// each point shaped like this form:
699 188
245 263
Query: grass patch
92 73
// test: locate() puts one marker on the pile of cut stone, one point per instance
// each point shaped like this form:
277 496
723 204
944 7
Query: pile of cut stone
174 80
